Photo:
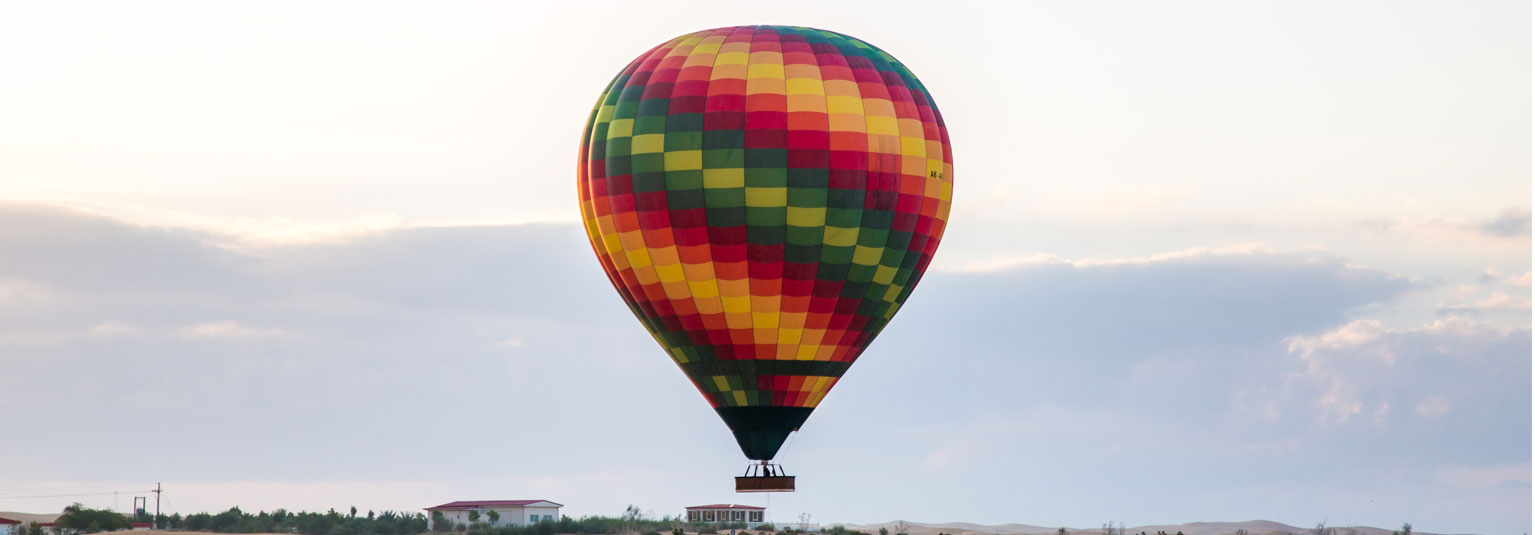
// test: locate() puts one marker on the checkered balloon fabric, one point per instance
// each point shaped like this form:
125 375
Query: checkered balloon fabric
765 198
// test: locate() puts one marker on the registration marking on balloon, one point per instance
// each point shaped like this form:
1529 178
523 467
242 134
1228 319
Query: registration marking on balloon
764 198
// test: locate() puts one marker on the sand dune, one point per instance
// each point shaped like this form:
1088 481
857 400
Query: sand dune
26 518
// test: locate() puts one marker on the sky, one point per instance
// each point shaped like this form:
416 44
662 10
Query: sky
1207 261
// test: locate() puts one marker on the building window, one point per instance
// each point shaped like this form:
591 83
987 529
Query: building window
708 516
756 516
738 516
692 516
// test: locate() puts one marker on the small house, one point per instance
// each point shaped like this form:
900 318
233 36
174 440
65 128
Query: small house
508 512
726 513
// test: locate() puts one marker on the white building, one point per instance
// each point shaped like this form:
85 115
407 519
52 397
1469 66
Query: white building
508 512
726 513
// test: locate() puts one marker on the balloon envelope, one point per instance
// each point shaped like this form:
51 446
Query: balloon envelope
764 198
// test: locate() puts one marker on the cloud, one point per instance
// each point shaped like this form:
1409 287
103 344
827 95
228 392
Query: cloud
86 254
1496 301
238 232
110 329
1434 406
1490 294
1510 223
1354 334
1074 355
1194 253
1493 275
383 331
1449 365
231 330
16 293
1135 305
347 357
1522 281
1484 476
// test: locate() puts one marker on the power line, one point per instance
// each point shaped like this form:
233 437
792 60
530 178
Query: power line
72 495
69 488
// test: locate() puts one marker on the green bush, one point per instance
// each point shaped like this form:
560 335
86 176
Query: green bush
78 517
388 523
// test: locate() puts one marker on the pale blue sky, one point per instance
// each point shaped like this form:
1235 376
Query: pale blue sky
1207 261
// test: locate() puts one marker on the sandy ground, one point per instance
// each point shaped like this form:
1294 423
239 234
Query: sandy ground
1253 527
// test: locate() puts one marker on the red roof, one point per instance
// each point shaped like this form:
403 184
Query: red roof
727 506
7 521
489 503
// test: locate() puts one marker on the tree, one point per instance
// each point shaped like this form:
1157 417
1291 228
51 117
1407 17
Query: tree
474 516
900 526
494 516
196 522
354 512
1060 531
1110 529
631 517
1322 529
227 520
79 518
883 531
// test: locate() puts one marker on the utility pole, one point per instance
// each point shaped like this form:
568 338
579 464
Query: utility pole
157 505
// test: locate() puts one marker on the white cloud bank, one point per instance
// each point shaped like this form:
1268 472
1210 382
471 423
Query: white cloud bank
401 353
1366 368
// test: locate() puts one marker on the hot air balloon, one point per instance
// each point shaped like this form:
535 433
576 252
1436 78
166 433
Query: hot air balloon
764 198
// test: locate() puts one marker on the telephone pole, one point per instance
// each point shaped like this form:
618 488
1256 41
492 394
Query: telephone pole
157 506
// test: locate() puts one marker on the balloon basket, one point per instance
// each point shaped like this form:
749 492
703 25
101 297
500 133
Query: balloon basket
765 477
